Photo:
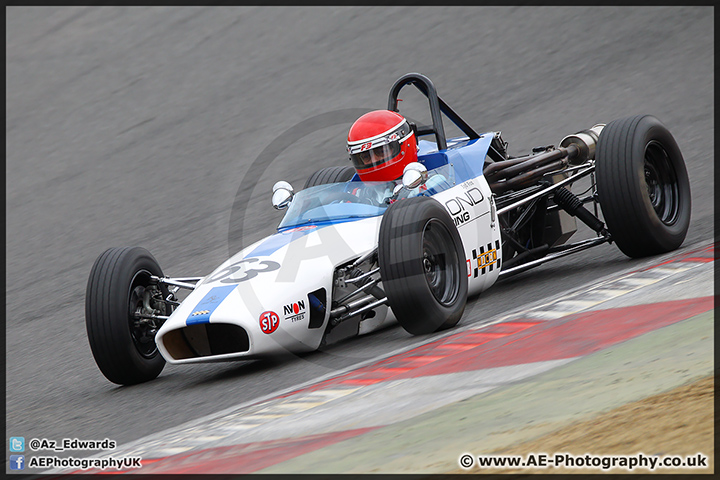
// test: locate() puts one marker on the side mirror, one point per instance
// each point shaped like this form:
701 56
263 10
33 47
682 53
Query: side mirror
282 195
414 175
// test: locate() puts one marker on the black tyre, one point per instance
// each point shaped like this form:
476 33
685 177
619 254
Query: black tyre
422 265
330 175
643 186
123 346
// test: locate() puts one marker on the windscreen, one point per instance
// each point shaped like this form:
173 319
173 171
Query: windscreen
336 202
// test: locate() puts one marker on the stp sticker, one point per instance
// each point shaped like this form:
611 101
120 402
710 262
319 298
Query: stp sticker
269 322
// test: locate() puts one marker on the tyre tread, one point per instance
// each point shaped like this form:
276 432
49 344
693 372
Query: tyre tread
403 279
105 320
634 228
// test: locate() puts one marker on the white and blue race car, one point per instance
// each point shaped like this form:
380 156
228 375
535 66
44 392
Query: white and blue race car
350 257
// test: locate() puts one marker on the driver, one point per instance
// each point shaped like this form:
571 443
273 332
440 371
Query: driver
381 143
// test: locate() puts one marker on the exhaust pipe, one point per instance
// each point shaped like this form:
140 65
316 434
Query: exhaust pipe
585 141
574 149
532 162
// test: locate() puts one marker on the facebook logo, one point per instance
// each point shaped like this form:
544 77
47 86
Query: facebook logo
17 462
17 444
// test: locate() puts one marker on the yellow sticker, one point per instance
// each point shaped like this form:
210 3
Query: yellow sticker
488 258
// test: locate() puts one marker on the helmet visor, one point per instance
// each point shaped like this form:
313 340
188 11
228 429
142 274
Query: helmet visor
374 157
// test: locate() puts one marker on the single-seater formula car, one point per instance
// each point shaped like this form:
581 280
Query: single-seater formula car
350 257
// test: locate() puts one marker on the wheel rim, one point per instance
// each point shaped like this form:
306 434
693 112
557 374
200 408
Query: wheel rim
142 333
662 183
439 262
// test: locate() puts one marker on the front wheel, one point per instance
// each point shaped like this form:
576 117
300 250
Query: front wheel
643 186
118 290
422 265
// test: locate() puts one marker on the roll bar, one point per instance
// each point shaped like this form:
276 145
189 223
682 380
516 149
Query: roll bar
437 105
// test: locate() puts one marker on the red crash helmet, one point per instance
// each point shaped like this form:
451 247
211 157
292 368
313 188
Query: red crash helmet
381 144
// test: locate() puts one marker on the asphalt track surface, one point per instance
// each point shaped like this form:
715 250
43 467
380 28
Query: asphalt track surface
136 126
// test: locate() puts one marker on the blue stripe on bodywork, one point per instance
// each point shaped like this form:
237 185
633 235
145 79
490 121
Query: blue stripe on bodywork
209 303
275 242
466 156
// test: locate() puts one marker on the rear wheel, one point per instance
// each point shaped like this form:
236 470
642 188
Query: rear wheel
118 289
643 186
422 265
330 175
